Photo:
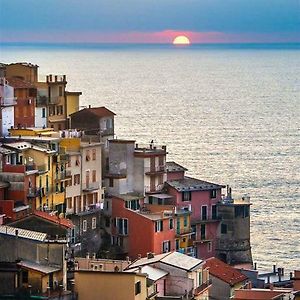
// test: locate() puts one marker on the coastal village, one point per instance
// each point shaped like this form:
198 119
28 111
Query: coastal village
85 215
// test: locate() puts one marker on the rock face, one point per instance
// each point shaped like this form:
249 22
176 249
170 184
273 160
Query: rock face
233 244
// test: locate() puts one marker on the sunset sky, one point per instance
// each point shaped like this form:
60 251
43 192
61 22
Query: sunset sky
149 21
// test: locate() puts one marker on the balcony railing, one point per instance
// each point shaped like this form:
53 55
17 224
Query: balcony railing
8 101
184 231
202 287
91 186
155 169
42 100
153 189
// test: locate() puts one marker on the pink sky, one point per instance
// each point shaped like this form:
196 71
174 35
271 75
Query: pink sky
166 36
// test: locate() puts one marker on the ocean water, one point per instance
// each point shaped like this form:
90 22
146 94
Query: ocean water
230 114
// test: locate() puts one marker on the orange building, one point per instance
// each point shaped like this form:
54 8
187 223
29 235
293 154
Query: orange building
138 233
25 92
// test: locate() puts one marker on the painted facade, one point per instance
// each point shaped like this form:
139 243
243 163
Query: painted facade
7 103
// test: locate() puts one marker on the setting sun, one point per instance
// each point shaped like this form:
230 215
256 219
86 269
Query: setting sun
181 40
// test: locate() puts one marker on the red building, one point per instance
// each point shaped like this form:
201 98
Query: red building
25 92
200 197
137 232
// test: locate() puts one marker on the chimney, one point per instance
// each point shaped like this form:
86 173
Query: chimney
87 256
94 255
64 77
274 269
90 106
255 266
50 77
127 259
139 256
150 255
55 77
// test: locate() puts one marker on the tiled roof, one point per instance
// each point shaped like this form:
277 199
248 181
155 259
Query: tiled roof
38 267
18 83
175 259
61 221
223 271
26 64
97 111
23 233
172 166
193 184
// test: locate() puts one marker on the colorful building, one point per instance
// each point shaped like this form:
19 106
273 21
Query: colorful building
7 103
201 198
155 231
225 279
179 276
24 110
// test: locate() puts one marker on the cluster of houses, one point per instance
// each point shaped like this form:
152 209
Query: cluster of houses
84 214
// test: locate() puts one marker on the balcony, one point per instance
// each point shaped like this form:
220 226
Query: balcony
202 288
32 193
42 168
155 170
183 231
8 101
42 100
153 189
199 220
91 186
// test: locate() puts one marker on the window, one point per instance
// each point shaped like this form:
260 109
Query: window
185 221
76 179
209 247
24 276
94 223
94 154
214 212
84 225
166 246
60 91
25 111
94 175
186 196
111 182
138 288
57 188
159 226
43 112
150 200
213 194
122 226
87 157
171 224
202 231
204 212
200 278
223 228
69 203
77 163
177 245
107 222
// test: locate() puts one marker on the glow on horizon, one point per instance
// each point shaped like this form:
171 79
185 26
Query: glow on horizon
138 37
181 40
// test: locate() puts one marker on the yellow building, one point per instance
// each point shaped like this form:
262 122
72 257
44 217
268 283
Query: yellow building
61 102
183 240
111 285
24 71
45 154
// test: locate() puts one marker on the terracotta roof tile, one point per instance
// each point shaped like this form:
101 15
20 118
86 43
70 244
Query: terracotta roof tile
98 111
223 271
62 221
18 83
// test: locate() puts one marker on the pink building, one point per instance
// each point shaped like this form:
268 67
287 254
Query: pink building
201 198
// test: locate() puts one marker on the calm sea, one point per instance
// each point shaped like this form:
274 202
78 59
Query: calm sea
230 114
